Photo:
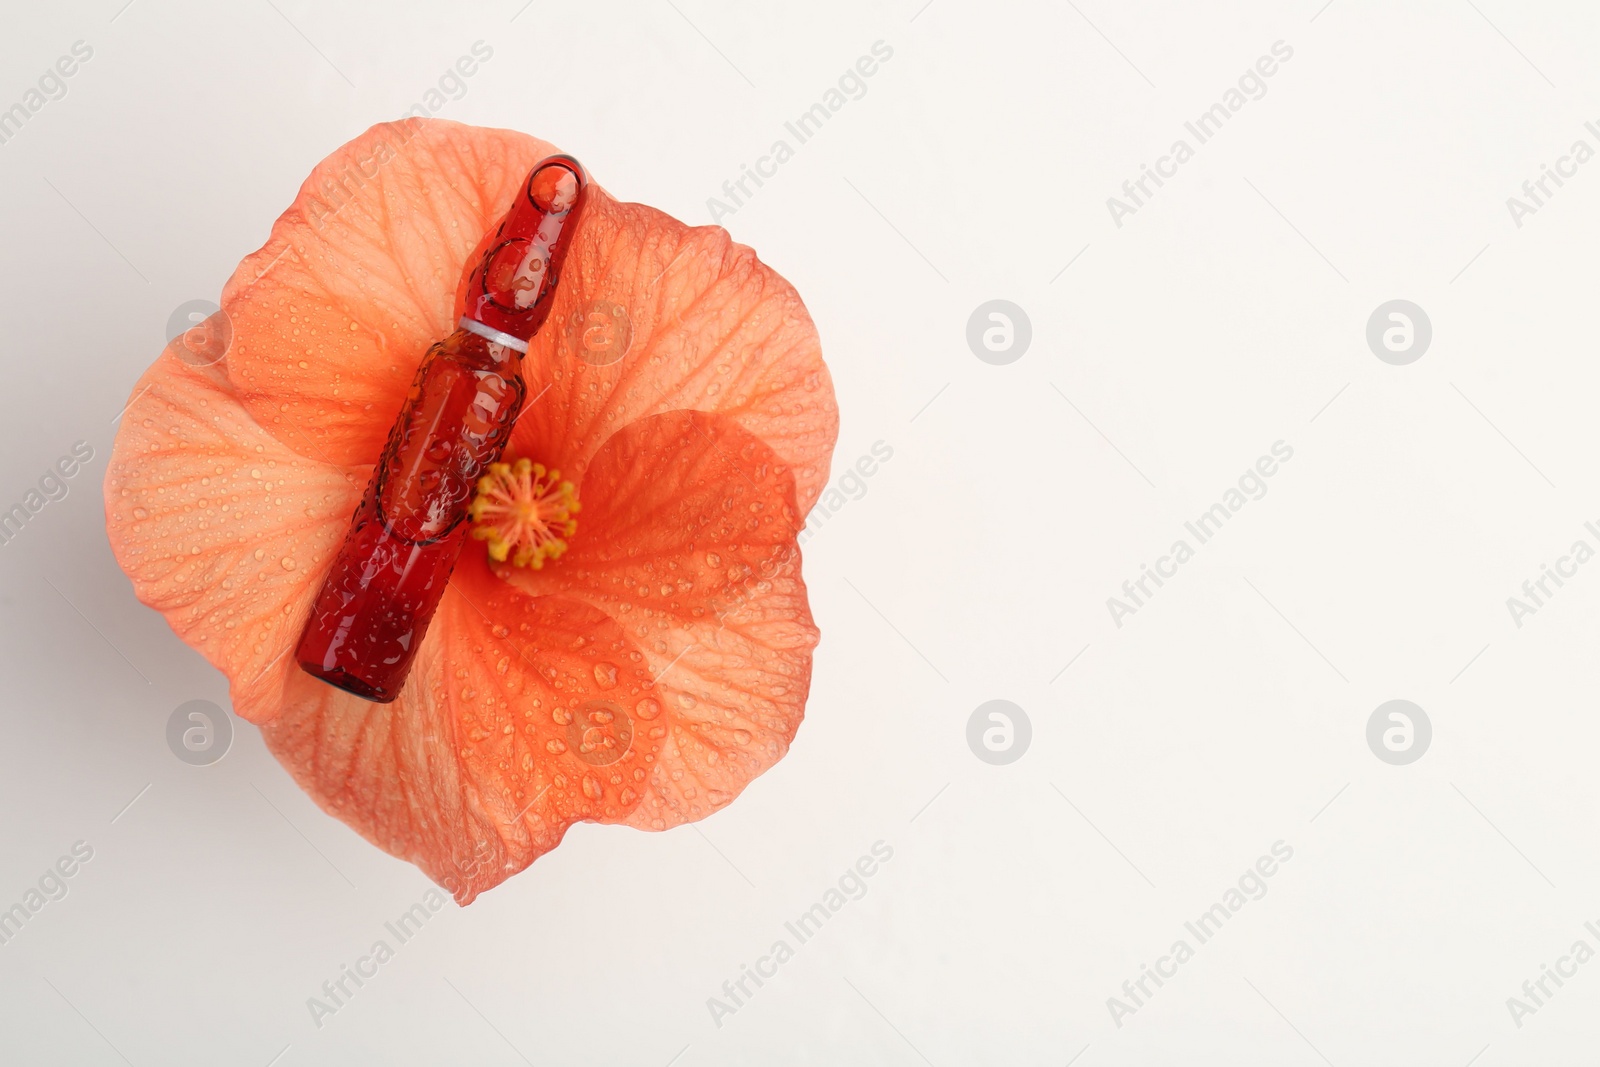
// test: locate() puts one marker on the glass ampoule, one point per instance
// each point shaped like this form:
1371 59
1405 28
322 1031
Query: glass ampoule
370 616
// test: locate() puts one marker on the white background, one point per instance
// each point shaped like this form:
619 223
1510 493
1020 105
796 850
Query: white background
1227 714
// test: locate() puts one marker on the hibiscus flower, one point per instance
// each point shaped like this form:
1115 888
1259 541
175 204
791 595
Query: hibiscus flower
646 672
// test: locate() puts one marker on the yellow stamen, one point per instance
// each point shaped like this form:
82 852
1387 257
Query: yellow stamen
524 512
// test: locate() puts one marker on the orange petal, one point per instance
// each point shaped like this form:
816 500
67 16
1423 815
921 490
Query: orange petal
516 722
687 538
359 277
221 526
365 270
707 326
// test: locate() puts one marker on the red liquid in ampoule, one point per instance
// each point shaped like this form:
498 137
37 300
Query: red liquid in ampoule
374 607
380 595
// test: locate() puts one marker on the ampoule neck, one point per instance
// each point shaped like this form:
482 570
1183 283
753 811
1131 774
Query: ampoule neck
469 347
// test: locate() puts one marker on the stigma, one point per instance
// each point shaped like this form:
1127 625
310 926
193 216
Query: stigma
525 513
